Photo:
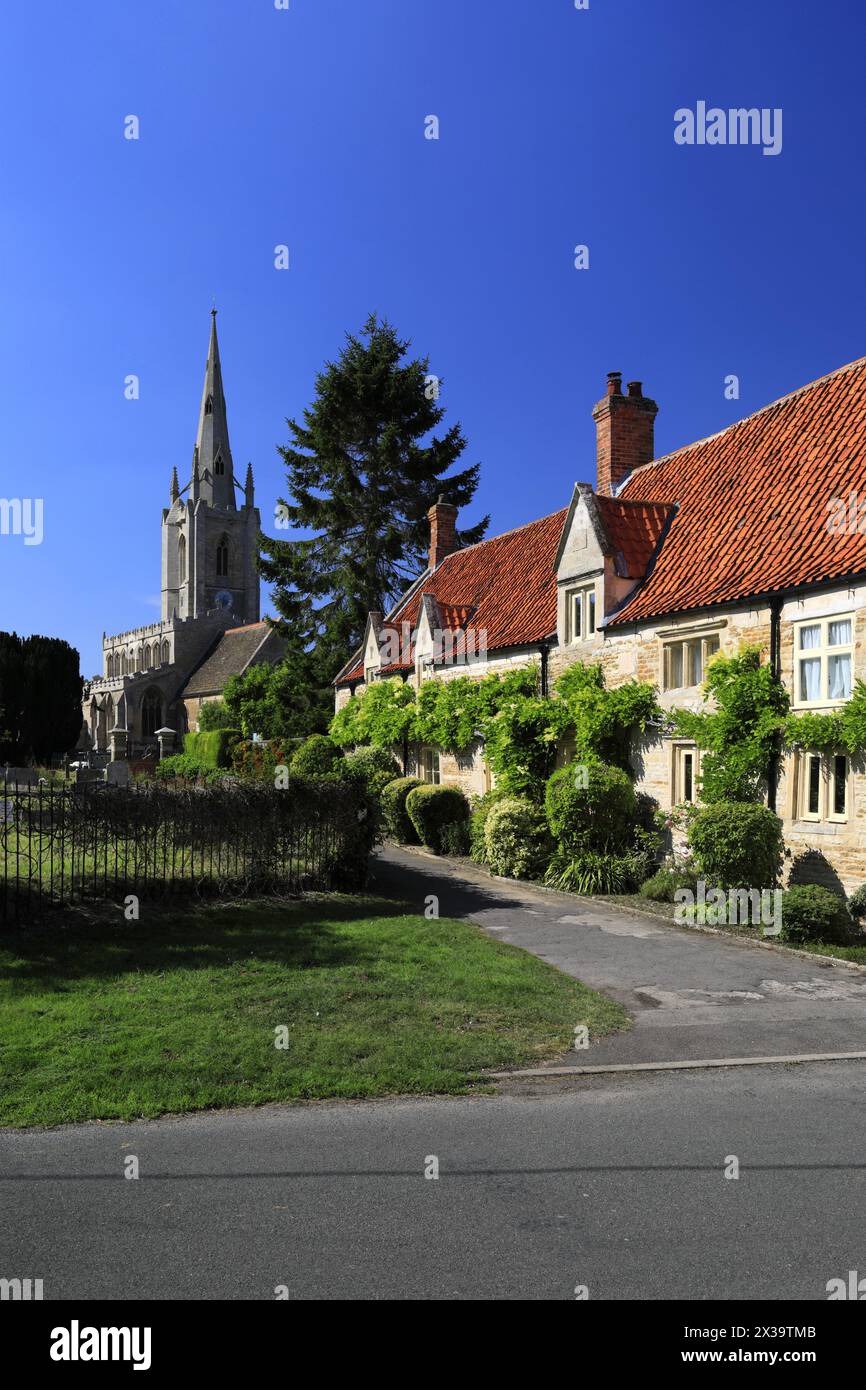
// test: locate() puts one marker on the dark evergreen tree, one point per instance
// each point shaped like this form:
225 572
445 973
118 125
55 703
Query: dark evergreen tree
363 470
40 697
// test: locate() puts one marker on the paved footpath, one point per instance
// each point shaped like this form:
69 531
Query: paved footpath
692 995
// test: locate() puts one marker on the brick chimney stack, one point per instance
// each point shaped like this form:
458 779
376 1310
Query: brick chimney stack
624 429
443 531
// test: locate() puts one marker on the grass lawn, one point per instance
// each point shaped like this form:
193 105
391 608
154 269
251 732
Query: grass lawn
117 1020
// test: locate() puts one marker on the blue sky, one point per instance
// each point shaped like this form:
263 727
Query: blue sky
306 127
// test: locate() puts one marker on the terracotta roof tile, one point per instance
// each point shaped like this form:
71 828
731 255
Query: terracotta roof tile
753 501
634 529
505 587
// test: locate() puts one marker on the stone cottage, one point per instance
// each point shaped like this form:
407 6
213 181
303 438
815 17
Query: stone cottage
756 535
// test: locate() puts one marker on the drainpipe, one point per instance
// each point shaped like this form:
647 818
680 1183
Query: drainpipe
776 668
545 651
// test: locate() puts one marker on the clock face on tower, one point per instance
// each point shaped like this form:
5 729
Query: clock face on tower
224 599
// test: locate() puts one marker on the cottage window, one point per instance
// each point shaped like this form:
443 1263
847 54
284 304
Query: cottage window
686 767
824 657
821 786
685 662
430 771
580 614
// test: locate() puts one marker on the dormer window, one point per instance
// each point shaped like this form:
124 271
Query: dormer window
219 466
580 612
208 406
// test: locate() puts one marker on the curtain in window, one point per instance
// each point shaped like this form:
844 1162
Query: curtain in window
810 679
810 637
839 674
840 633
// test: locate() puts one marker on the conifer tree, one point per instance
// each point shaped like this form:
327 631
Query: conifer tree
363 470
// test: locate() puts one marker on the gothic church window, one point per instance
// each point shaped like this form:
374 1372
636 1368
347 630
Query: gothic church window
151 713
181 559
222 558
208 406
219 466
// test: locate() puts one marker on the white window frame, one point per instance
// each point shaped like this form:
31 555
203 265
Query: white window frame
822 653
805 760
588 622
708 644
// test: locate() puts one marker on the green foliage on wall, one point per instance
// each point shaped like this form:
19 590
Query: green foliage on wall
842 731
740 736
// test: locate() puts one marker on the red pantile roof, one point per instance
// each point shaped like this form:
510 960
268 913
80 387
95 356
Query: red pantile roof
505 587
753 502
634 530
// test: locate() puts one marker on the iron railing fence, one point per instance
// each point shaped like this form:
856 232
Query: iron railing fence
66 844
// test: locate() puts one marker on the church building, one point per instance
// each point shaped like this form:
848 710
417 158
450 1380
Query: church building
156 677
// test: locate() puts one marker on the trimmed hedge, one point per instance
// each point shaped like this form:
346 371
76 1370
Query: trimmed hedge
397 821
813 913
600 816
316 757
211 747
737 844
517 842
432 810
375 767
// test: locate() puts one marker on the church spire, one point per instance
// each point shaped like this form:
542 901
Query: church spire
174 488
212 440
248 487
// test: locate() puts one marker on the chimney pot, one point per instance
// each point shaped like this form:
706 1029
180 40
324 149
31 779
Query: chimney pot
624 433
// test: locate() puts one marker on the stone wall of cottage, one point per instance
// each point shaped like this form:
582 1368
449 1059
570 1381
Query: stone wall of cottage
834 851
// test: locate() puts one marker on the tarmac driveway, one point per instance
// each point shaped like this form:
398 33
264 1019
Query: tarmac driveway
692 995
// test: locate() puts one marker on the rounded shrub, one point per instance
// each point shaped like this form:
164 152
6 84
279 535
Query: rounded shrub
393 799
517 842
480 809
316 757
590 807
432 810
375 767
737 844
811 912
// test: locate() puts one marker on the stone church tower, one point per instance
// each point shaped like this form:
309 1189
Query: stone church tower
156 677
208 541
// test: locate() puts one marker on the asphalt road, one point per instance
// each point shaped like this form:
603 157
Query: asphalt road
692 995
615 1184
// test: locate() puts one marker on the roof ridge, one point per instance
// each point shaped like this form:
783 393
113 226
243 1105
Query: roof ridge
500 535
736 424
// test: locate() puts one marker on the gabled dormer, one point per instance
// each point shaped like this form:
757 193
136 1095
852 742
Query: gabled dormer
371 647
607 547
